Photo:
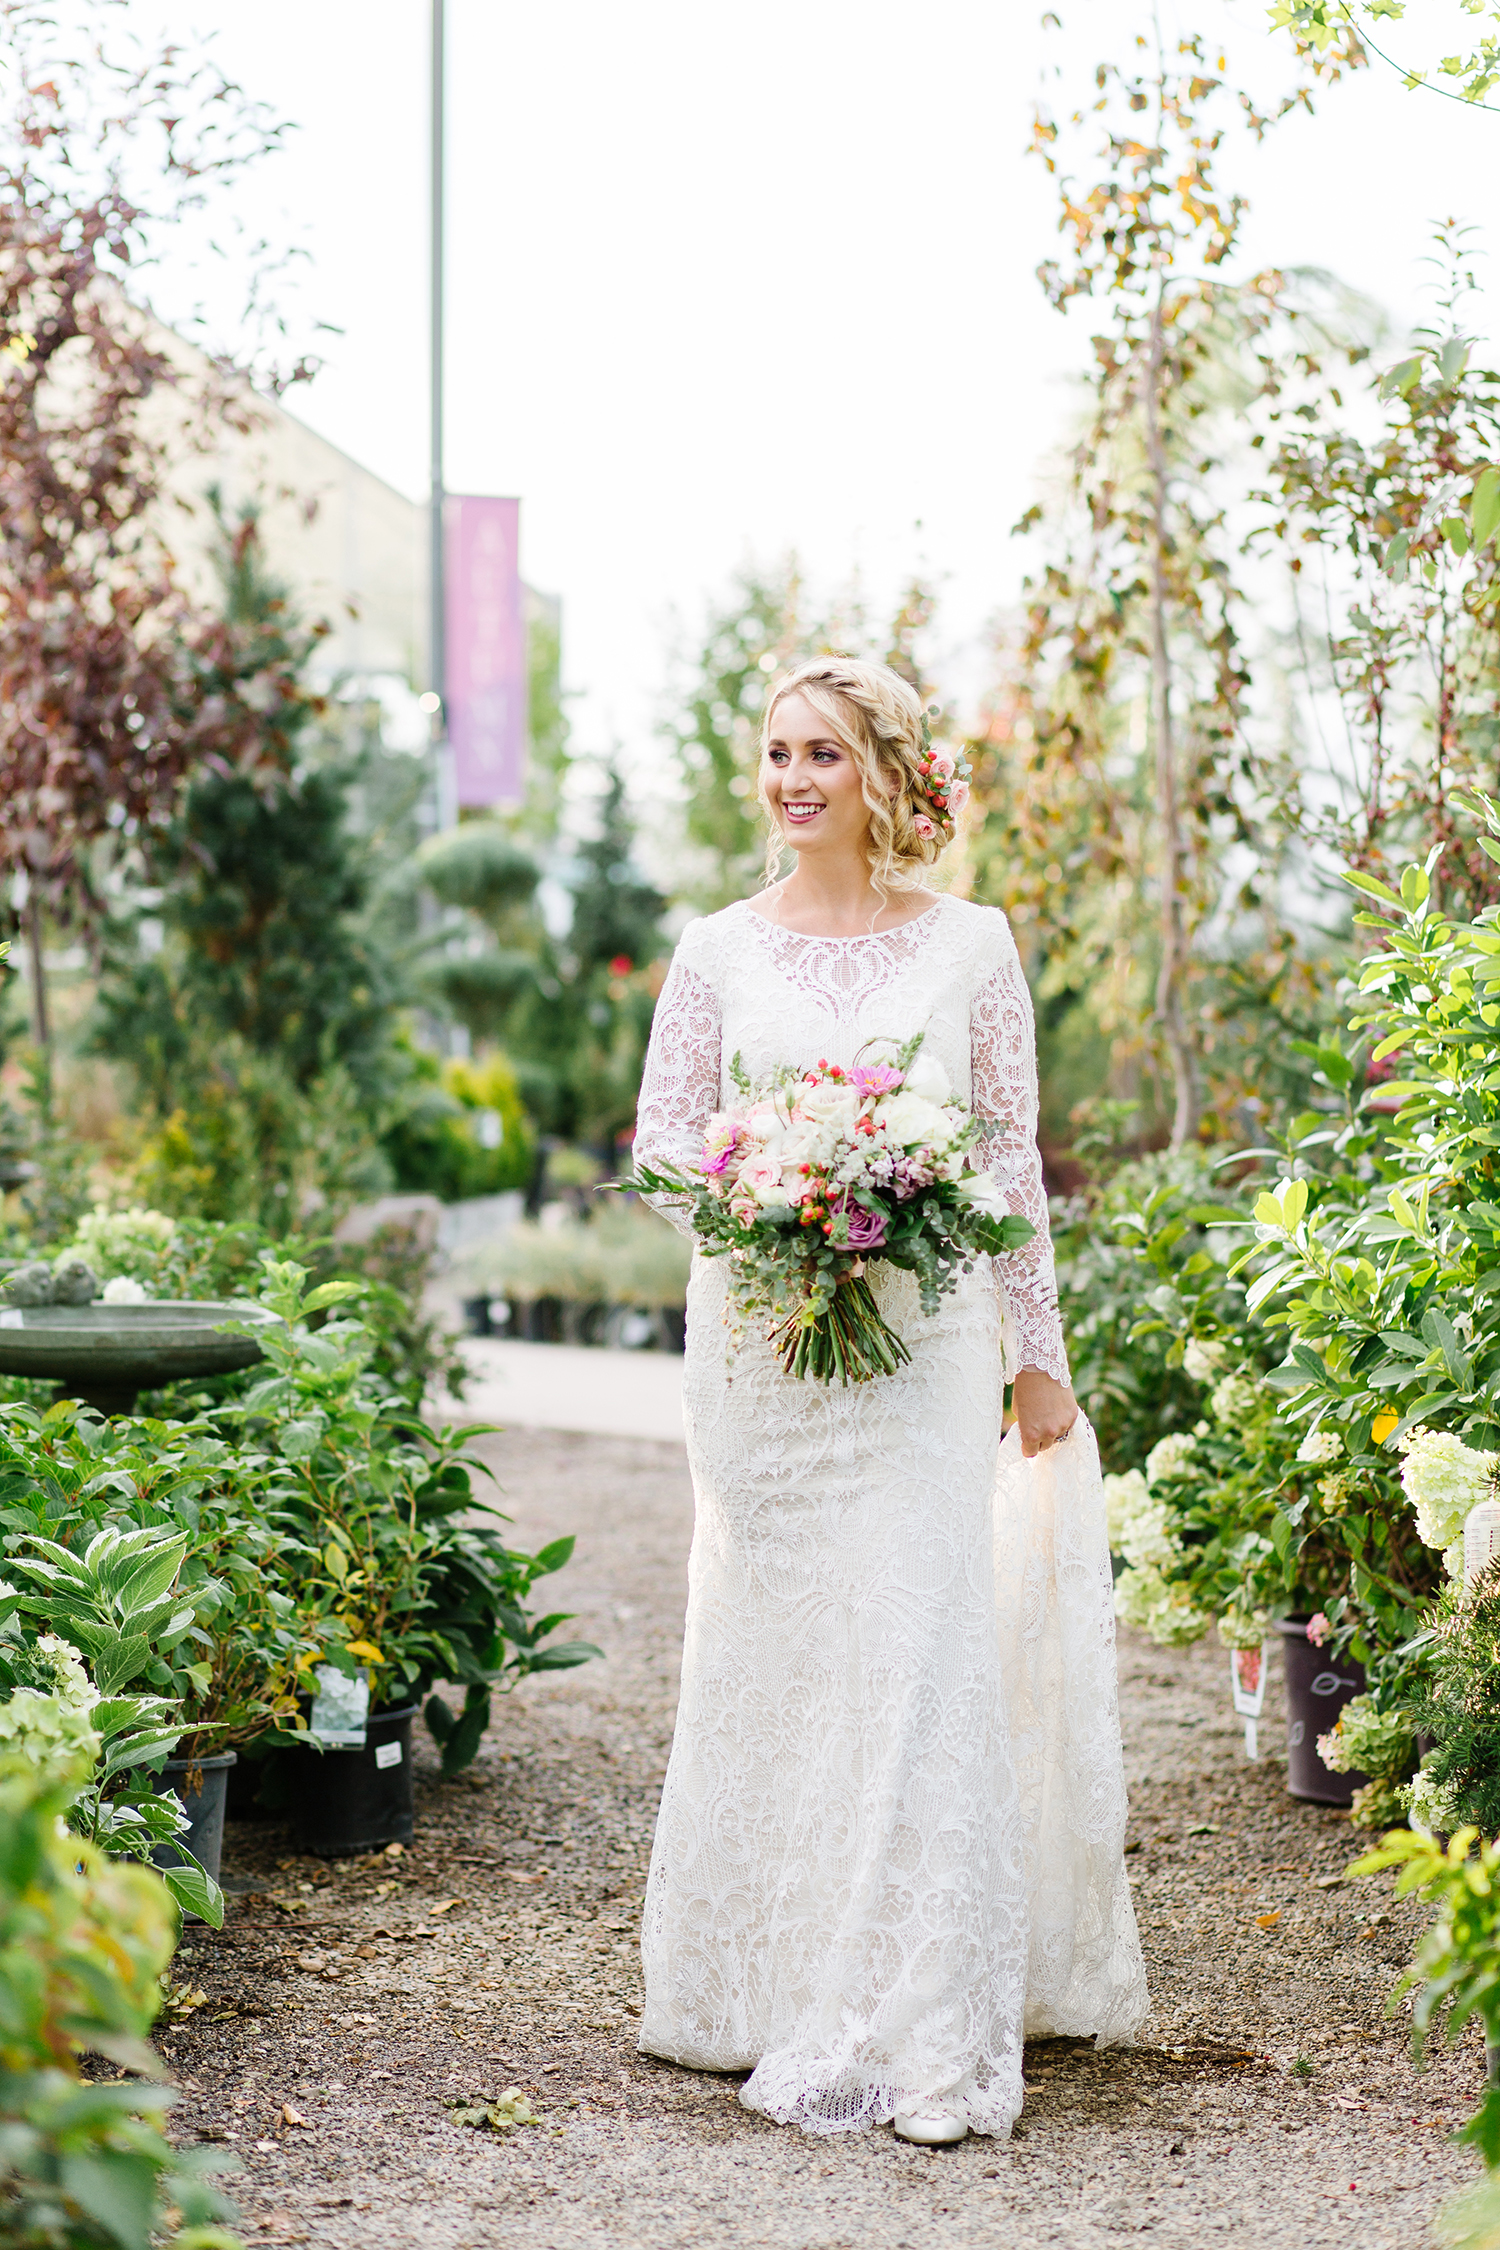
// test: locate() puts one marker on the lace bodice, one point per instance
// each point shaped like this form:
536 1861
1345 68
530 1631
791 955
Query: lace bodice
741 985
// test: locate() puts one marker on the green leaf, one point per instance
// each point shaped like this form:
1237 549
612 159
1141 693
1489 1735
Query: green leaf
117 2190
196 1892
120 1662
554 1556
1369 884
1484 511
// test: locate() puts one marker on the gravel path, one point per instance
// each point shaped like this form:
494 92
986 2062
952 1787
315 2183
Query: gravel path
1270 2102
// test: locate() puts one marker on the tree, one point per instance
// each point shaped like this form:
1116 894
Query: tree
573 1012
1322 25
1396 527
259 1030
1125 725
97 722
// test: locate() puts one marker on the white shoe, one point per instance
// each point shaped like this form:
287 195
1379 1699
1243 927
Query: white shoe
929 2128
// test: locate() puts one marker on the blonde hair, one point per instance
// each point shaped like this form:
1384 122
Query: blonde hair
877 716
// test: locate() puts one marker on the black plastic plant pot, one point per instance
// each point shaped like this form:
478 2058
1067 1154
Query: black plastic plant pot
204 1803
1316 1691
348 1802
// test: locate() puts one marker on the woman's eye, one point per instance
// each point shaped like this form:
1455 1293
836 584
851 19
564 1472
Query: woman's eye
777 757
826 757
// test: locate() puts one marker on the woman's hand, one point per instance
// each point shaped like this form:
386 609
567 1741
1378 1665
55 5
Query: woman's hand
1045 1409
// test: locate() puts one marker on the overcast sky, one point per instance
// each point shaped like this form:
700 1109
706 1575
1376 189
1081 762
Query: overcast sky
725 282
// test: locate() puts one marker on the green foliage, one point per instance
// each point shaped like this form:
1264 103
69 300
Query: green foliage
1456 1973
228 1654
257 1033
1382 517
1139 1276
391 1573
83 1942
1345 26
461 1129
1458 1703
117 1601
573 1015
1384 1274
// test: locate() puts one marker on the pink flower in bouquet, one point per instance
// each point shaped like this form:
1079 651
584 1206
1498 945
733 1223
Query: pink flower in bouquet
762 1179
1318 1629
873 1079
719 1148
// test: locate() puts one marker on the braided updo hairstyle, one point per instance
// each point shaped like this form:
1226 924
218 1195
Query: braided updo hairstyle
877 716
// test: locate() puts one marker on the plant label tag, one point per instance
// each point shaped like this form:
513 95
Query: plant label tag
387 1753
341 1708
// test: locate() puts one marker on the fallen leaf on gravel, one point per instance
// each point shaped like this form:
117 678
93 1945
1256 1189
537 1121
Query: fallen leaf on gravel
447 1903
1268 1921
517 1875
291 2116
503 2114
1205 1828
1326 1882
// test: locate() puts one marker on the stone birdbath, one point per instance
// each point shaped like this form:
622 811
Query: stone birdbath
105 1353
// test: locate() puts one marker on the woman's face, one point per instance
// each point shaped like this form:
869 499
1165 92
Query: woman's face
812 784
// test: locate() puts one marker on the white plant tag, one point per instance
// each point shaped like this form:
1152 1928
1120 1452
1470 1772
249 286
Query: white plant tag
341 1708
387 1753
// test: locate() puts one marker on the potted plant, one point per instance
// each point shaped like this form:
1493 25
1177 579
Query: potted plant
395 1588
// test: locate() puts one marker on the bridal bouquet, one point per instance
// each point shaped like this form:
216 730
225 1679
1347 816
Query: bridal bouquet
812 1176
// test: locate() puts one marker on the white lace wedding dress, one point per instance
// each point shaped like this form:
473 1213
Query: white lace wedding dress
890 1837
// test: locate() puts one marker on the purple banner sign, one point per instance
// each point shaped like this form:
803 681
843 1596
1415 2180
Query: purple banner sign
486 652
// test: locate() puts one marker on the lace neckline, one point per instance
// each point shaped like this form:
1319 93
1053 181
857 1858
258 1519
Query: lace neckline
913 923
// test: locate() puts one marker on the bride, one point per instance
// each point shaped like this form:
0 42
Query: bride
890 1839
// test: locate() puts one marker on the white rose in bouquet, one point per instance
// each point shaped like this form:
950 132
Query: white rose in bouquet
928 1078
908 1119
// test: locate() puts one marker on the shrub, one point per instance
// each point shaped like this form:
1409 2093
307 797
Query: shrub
83 1942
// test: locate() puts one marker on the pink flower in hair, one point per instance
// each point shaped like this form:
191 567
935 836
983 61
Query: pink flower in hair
958 796
923 826
943 761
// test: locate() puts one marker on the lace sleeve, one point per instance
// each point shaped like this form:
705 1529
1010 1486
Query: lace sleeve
680 1083
1003 1043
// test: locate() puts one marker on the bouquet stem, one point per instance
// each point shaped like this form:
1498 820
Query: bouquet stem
849 1343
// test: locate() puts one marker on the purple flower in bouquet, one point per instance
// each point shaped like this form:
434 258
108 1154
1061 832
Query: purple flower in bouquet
866 1228
874 1079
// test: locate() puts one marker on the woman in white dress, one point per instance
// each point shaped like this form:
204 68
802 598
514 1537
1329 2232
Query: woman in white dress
890 1839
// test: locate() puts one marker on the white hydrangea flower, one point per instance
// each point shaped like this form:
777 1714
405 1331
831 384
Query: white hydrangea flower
1233 1401
49 1735
1201 1360
1123 1495
1319 1446
1443 1479
1148 1541
1429 1811
1144 1599
1169 1455
122 1290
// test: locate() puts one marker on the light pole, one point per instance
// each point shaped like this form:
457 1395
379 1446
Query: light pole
436 589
